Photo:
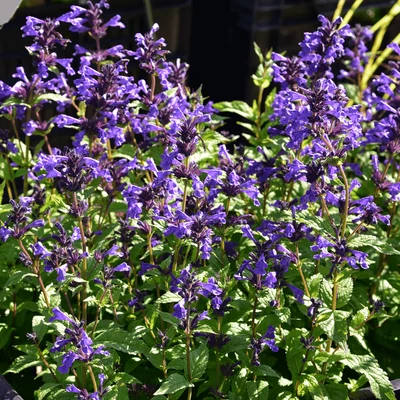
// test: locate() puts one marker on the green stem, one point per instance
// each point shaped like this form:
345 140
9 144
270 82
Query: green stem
84 263
333 307
93 378
253 317
188 365
303 279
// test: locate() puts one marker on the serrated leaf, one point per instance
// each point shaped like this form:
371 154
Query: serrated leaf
314 283
377 377
173 384
360 317
257 390
372 241
325 292
198 362
258 51
118 392
18 277
44 390
318 224
39 326
23 362
345 291
334 324
169 297
238 107
121 340
307 384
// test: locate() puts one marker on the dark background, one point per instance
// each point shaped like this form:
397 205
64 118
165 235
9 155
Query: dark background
215 36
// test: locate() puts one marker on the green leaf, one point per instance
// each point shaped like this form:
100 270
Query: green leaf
379 245
238 107
169 297
5 333
318 224
314 283
258 51
345 291
265 370
18 277
118 392
23 362
295 352
44 390
50 96
336 391
377 377
166 317
121 340
360 317
2 186
198 362
257 390
12 101
308 384
39 326
172 384
334 324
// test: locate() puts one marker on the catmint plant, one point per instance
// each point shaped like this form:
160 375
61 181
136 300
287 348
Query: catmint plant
160 257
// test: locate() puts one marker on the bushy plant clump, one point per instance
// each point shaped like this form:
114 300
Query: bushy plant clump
160 257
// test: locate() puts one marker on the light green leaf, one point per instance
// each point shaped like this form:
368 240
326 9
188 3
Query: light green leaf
372 241
258 390
39 326
314 283
118 392
169 297
172 384
50 96
238 107
334 324
18 277
359 317
377 377
308 384
23 362
295 352
198 362
2 186
345 291
121 340
44 390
